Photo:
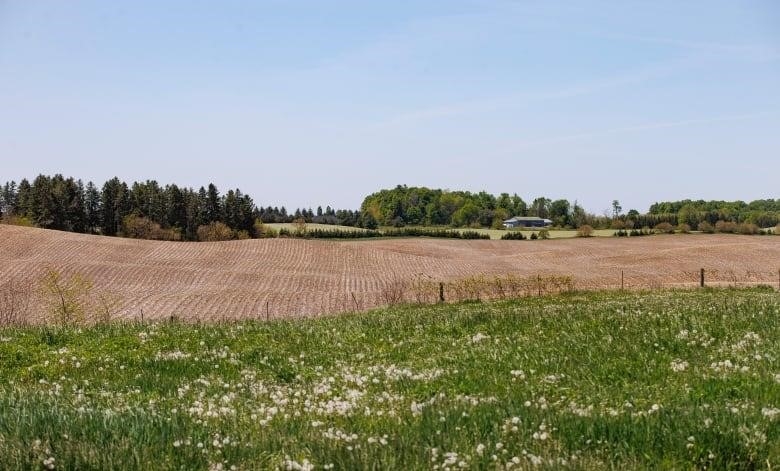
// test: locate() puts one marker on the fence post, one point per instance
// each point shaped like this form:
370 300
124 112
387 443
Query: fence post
441 292
621 280
267 310
701 278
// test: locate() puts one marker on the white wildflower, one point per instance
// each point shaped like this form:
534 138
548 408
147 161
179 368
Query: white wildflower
770 413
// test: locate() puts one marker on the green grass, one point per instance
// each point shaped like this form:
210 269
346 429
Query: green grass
673 379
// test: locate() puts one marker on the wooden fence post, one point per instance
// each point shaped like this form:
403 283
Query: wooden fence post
441 292
701 279
621 280
267 310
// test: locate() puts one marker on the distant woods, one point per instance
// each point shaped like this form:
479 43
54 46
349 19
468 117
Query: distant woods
147 210
423 206
705 215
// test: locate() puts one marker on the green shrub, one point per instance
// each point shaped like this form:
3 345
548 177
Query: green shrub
261 231
664 228
215 232
747 229
339 234
13 220
706 227
437 233
138 227
618 224
514 235
585 231
726 227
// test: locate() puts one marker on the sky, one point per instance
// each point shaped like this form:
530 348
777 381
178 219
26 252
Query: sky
306 103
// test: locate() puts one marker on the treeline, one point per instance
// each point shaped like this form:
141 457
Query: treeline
762 213
147 209
302 232
150 211
404 205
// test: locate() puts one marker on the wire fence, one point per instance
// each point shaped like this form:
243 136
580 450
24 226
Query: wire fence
19 303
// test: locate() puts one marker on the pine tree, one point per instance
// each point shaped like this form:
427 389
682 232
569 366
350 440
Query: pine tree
76 210
176 208
41 203
8 199
24 199
213 208
92 208
115 205
231 210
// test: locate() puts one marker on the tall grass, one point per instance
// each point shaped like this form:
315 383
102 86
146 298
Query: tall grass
672 379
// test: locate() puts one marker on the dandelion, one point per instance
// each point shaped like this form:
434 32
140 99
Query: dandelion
770 413
679 365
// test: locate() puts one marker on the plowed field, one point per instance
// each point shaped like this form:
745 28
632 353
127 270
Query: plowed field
293 278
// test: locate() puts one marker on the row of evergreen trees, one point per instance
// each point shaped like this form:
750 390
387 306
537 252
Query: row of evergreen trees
56 202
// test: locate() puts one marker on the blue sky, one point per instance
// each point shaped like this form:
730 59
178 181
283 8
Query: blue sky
307 103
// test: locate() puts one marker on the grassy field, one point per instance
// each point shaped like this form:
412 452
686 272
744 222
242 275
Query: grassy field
686 379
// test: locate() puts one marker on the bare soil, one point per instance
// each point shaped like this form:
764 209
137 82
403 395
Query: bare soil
294 278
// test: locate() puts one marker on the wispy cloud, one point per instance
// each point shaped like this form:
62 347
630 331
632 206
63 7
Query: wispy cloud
640 127
515 100
745 51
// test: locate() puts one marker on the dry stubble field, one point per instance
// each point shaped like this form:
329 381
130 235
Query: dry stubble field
295 278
